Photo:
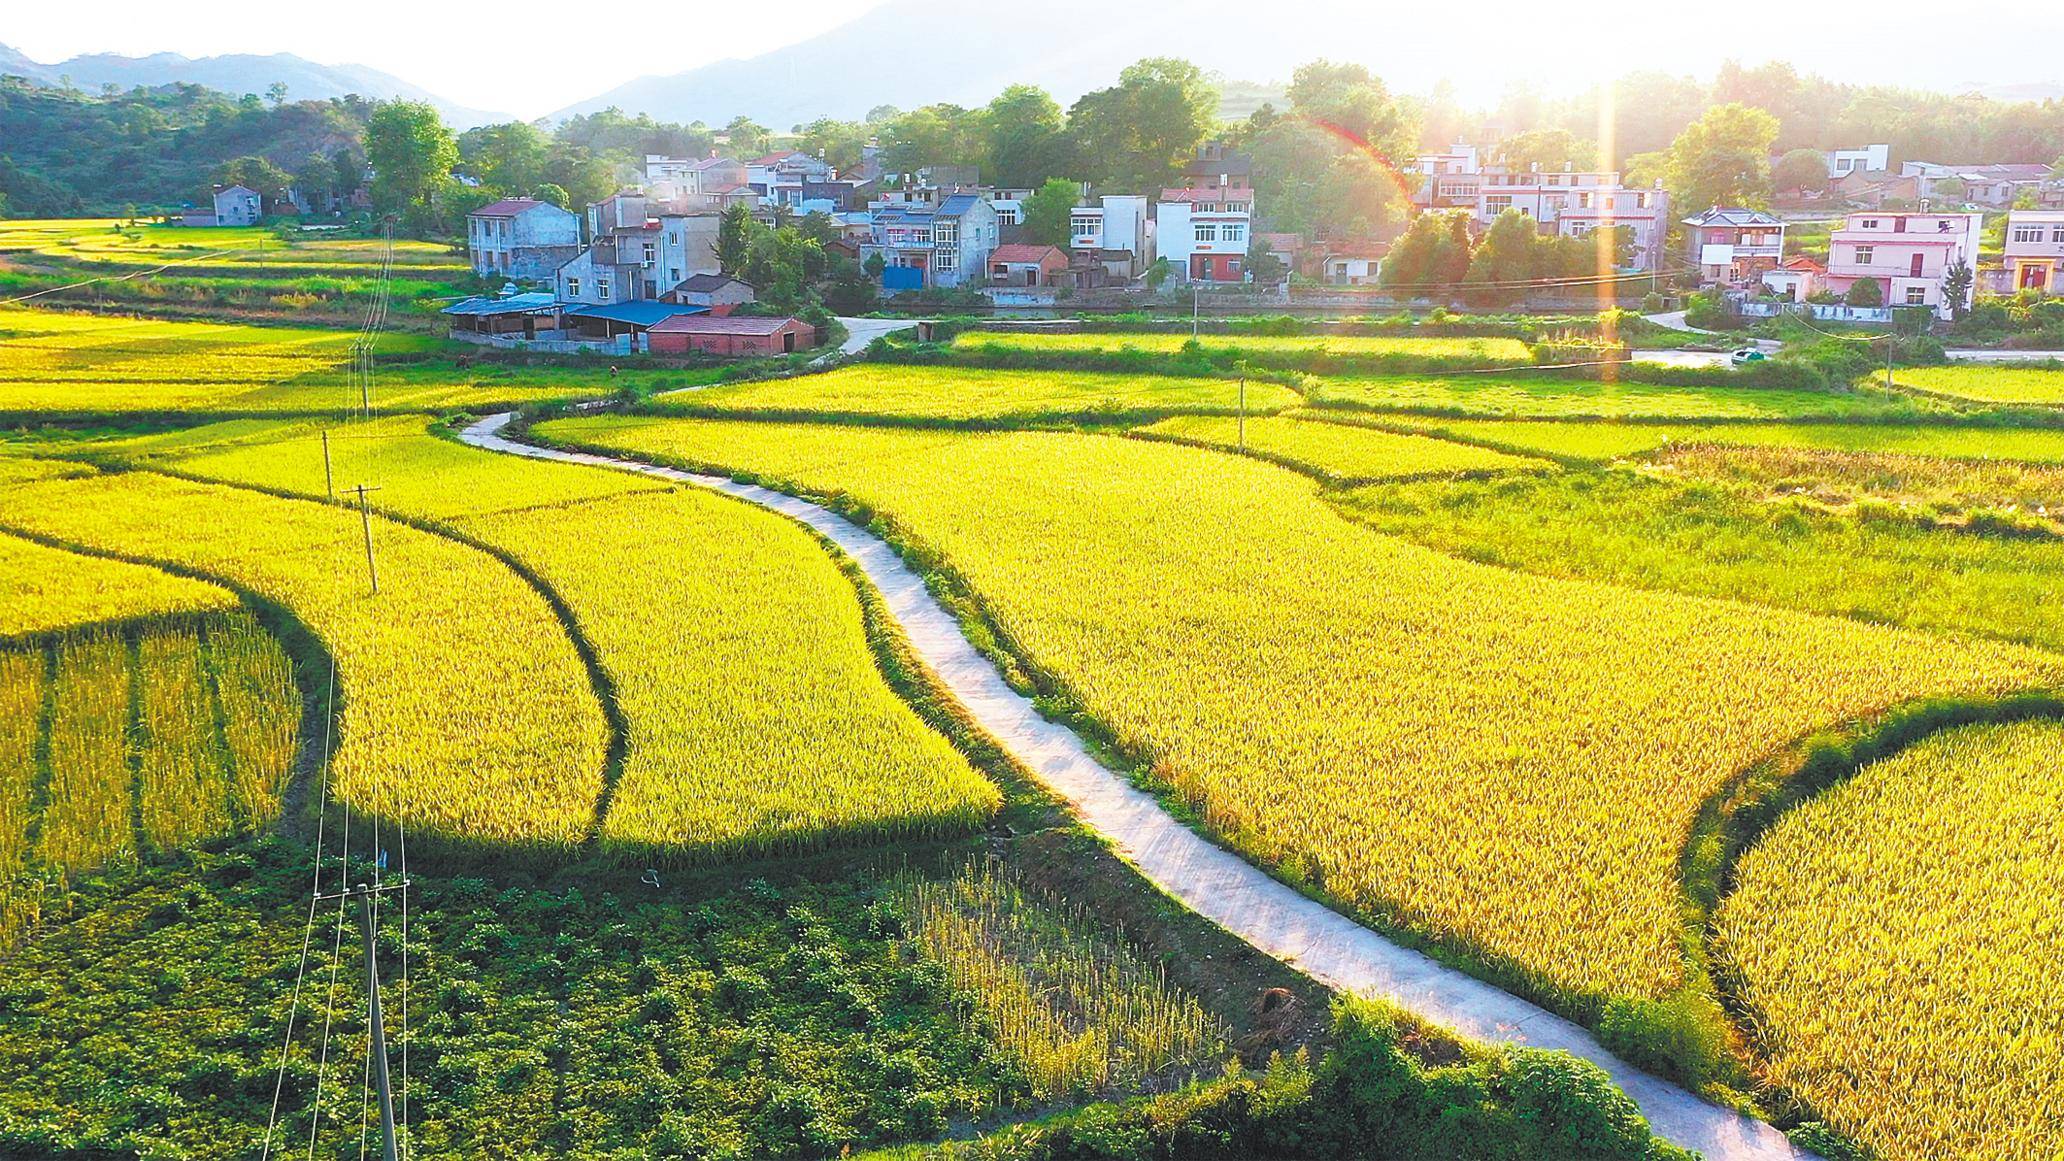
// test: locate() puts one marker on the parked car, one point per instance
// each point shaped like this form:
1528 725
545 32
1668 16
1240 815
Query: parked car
1747 355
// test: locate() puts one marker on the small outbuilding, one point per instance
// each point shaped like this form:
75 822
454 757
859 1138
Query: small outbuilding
619 319
711 334
721 293
1023 264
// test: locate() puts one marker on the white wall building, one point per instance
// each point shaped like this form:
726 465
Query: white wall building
1869 159
521 238
1204 233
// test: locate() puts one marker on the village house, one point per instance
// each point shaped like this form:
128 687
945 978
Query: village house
779 177
1996 186
1219 166
697 185
1575 203
1907 254
1114 229
236 205
1876 189
1731 245
1869 159
1447 180
721 293
521 238
1204 231
1024 264
734 335
687 248
942 248
1353 265
1795 279
2034 258
1292 250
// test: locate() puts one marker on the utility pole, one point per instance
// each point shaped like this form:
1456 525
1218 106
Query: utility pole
328 481
379 1030
1196 293
1243 408
365 523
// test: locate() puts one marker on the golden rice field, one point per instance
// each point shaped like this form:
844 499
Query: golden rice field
1506 761
160 734
66 364
465 708
1899 938
44 589
980 394
1937 489
1078 1011
1340 452
110 242
1477 351
1987 383
1602 442
757 718
1521 395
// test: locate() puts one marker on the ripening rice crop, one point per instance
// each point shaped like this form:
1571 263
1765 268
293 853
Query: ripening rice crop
1478 351
1603 442
259 708
1987 383
21 720
1523 394
1899 940
181 783
466 708
756 716
1078 1012
104 242
890 390
44 588
86 821
1508 761
1941 490
1339 451
64 364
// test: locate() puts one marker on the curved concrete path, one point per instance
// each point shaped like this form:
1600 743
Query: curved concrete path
1222 887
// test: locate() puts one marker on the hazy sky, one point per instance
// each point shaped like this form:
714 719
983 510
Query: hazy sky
527 57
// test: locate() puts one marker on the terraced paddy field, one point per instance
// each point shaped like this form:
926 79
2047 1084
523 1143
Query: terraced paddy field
1263 349
1517 395
980 395
1294 676
109 244
1898 939
54 364
2040 386
1339 452
1603 442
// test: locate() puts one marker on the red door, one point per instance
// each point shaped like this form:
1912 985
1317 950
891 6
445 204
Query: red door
1913 268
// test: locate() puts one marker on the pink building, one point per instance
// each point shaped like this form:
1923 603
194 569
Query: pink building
2035 250
1907 254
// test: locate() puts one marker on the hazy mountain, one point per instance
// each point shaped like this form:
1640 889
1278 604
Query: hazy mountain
238 74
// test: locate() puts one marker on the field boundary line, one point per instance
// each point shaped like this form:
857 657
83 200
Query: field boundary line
1213 882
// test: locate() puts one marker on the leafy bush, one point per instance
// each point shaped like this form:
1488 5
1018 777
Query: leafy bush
1865 292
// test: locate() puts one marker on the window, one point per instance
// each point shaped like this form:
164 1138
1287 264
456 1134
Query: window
1085 227
651 252
673 274
1864 254
1495 204
601 287
1206 232
2034 233
1916 296
1867 224
1006 215
1233 232
1641 201
1583 201
572 287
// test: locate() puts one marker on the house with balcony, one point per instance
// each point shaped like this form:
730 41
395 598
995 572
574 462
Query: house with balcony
1907 254
943 247
1573 204
779 177
1115 231
2034 257
1731 246
1446 180
1204 232
521 238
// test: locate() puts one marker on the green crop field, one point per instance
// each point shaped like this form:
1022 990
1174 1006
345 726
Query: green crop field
1339 451
2007 383
1601 442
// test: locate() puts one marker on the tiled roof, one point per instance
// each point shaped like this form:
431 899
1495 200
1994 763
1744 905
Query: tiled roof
514 304
1021 252
730 325
506 208
958 204
1209 194
704 283
1719 216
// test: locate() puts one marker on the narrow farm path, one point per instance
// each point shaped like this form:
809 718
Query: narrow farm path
1222 887
862 331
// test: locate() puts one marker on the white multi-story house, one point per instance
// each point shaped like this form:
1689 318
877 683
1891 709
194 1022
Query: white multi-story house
2034 257
779 177
236 205
1572 203
1907 254
1869 159
687 247
944 247
521 238
1204 233
1116 222
1448 179
694 185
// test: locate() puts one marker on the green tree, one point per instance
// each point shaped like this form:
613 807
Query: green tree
412 154
275 94
574 168
1956 289
1026 143
1047 211
348 170
1952 190
1723 159
507 157
1546 150
1415 259
735 230
748 137
1865 292
1138 134
552 194
1262 264
939 134
314 180
780 265
1505 256
1801 169
252 172
1451 261
817 226
838 143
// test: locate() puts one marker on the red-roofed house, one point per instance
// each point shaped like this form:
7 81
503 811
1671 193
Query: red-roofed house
1795 279
733 335
521 238
1024 264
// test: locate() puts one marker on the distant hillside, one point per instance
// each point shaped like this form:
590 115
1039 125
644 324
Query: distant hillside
237 75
